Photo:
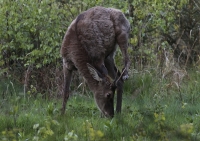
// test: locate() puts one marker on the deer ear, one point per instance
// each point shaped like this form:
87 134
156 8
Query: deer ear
94 72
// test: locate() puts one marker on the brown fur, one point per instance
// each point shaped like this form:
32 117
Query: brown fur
91 39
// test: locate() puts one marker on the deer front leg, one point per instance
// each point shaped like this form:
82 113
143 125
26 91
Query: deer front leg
67 81
115 74
120 85
110 65
99 65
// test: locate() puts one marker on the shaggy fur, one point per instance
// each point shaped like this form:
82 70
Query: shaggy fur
91 39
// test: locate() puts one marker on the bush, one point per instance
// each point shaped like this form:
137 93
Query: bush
30 38
31 33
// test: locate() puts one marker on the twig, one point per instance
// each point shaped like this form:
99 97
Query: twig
196 4
26 80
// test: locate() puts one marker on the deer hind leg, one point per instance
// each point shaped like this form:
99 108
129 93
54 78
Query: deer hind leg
68 68
122 30
114 73
122 41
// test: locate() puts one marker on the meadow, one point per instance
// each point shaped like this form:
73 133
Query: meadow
160 100
153 109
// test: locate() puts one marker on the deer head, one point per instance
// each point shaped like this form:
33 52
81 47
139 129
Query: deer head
104 93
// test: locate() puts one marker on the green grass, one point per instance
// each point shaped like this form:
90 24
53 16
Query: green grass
151 111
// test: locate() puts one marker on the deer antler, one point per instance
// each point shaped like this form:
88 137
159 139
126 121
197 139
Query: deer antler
117 79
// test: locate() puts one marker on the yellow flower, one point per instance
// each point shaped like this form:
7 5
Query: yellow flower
99 134
186 128
3 132
163 117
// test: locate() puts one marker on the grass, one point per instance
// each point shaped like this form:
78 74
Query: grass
153 109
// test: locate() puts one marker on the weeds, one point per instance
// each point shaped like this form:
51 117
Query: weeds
150 112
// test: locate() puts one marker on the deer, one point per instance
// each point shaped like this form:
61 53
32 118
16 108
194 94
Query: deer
89 46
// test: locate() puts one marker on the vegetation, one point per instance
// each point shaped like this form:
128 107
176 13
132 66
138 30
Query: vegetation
150 111
160 100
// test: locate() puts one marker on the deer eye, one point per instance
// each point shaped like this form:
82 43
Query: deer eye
108 95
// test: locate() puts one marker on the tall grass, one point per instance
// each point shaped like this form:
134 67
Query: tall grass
152 110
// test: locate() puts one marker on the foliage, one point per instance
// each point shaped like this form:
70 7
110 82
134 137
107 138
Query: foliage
91 133
32 32
161 99
27 35
155 114
44 131
150 28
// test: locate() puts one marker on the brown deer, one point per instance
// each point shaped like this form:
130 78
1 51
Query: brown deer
89 46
